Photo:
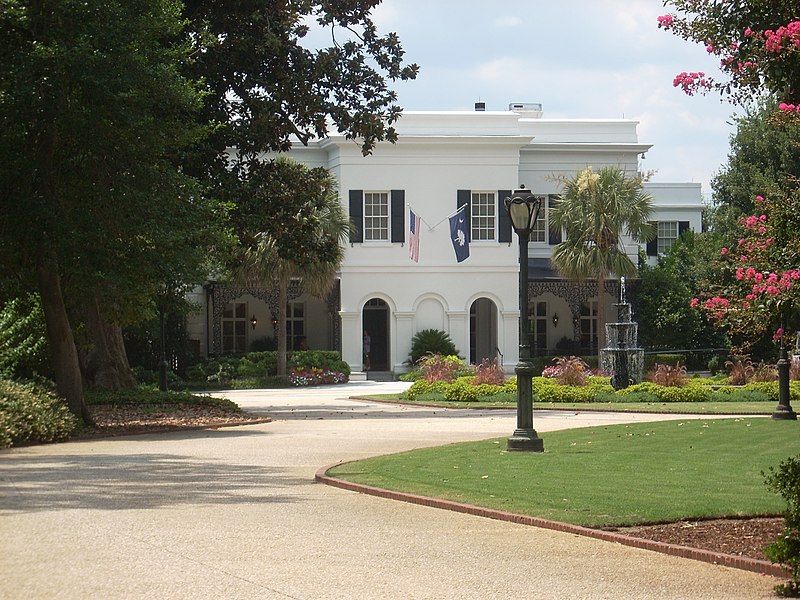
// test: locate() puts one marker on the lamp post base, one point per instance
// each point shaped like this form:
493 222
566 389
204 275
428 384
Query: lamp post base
525 440
784 413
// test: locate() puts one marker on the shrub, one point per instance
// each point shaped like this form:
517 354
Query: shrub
30 413
692 392
431 341
794 368
668 375
786 549
461 390
568 370
436 367
423 386
489 371
23 339
764 372
651 360
740 369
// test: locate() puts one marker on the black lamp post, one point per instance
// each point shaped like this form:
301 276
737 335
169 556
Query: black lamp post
523 209
784 409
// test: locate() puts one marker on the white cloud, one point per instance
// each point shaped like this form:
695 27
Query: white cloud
507 22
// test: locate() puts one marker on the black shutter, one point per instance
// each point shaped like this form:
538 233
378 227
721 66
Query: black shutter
554 236
398 215
357 216
464 198
503 220
652 245
682 226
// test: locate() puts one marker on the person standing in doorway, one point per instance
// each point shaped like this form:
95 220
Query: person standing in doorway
367 342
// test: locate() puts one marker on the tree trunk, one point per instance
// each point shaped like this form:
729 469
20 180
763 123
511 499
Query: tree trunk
62 345
601 314
105 363
283 292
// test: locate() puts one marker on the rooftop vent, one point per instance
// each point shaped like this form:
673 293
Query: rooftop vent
528 108
480 106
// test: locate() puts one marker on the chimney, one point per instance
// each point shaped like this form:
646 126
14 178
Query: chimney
480 106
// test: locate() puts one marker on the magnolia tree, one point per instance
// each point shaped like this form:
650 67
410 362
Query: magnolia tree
758 44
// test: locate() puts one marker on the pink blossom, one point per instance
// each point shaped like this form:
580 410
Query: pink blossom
759 198
778 334
748 32
724 251
665 21
694 302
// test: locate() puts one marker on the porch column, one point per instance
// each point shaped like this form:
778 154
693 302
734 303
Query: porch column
508 338
402 340
352 338
458 329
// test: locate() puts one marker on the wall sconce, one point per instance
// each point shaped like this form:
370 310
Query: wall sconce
253 321
274 322
555 320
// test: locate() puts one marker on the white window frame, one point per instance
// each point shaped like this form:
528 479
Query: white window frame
377 224
666 239
483 216
592 323
539 231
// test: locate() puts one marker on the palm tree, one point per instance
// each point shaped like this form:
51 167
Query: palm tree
595 209
303 239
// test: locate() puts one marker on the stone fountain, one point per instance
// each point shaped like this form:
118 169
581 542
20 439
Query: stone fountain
622 359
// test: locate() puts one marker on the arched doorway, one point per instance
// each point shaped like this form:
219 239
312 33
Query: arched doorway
375 321
482 330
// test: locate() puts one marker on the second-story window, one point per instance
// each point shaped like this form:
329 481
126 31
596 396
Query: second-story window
539 231
376 216
667 235
483 207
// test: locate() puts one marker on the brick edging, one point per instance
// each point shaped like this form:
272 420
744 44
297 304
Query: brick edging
727 560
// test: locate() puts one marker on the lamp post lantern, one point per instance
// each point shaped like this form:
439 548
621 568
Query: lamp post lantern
523 209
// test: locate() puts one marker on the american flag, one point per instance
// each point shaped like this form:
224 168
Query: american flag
413 246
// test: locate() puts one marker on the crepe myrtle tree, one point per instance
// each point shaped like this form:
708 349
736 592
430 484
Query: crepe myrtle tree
757 42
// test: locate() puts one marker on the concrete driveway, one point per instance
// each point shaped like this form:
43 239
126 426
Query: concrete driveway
235 513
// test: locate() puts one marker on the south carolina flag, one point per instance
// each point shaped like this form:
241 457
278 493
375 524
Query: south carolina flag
459 235
413 239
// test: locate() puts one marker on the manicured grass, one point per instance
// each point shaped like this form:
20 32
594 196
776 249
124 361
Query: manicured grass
510 401
603 476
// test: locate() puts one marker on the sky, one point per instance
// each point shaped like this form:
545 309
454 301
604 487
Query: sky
601 59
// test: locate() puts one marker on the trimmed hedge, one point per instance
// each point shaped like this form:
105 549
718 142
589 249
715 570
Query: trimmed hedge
30 413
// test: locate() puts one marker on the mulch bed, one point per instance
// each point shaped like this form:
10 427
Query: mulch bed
736 537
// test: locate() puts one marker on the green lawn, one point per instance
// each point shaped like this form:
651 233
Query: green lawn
602 476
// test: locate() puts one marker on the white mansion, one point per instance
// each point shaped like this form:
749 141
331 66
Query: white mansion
442 162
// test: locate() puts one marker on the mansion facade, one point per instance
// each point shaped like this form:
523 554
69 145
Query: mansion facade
397 280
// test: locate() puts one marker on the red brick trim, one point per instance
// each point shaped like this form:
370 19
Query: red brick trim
727 560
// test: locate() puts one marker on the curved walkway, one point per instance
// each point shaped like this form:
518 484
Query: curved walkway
235 513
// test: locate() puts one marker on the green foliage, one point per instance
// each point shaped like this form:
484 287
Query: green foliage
23 339
785 480
423 386
461 390
550 390
144 396
652 360
693 392
568 370
30 413
431 341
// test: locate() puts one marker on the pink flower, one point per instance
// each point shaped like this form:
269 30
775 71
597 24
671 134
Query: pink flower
694 302
778 334
748 32
665 21
724 251
759 198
